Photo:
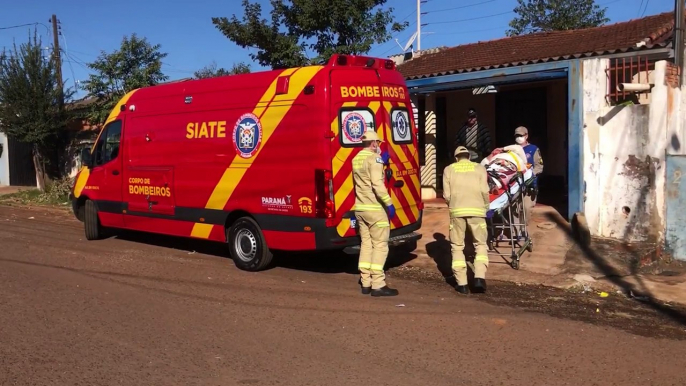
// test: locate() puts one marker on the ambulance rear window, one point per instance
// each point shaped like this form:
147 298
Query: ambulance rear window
402 129
353 123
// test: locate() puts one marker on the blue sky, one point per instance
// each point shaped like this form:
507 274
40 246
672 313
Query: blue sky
185 31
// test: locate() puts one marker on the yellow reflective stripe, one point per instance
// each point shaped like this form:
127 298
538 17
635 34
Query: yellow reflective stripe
382 224
481 258
463 167
386 199
483 226
459 264
376 267
364 265
468 212
371 207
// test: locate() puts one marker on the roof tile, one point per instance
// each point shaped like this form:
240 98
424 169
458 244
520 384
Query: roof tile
542 47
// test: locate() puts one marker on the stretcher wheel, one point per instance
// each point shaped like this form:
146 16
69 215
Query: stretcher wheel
530 247
515 264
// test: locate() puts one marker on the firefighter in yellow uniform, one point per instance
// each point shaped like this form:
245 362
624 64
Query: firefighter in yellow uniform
465 189
373 223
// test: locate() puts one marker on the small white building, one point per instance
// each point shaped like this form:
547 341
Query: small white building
615 156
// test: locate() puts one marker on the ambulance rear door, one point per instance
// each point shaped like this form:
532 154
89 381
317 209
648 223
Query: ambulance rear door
355 108
400 140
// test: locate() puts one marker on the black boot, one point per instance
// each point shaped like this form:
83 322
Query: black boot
479 285
463 289
384 291
366 290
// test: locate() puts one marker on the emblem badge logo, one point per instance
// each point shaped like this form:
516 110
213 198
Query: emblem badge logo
354 127
247 135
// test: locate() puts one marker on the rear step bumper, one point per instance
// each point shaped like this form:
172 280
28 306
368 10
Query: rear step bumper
392 242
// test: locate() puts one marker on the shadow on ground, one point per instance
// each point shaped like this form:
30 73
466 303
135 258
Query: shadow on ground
319 262
617 277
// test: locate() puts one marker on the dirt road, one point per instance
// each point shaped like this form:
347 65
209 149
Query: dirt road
136 311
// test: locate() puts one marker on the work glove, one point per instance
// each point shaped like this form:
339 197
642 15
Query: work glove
490 213
385 157
391 211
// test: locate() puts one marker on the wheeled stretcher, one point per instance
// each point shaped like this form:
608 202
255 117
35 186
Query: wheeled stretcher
507 199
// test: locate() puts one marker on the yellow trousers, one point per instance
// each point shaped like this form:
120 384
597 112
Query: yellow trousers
458 227
374 230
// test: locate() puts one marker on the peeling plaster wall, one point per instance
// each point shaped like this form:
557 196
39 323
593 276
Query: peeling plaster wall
624 158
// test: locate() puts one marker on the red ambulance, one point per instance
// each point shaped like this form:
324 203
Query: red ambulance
259 161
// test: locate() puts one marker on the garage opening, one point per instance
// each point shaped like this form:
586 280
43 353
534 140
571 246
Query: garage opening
540 106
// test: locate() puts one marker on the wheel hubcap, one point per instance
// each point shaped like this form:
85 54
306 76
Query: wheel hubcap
245 245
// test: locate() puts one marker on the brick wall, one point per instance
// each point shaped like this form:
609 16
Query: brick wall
672 75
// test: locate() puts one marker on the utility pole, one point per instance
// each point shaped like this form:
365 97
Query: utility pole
56 54
678 42
419 25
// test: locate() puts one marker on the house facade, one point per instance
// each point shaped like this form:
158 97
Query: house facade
603 104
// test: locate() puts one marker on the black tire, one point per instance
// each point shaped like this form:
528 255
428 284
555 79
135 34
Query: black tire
91 222
247 245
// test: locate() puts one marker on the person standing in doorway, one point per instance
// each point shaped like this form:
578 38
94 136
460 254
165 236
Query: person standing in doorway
475 136
535 161
371 203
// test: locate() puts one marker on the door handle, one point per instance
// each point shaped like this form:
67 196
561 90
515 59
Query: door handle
115 172
399 184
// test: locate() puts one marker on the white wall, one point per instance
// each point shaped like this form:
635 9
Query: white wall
624 157
4 163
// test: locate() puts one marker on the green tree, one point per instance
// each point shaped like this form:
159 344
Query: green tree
555 15
136 64
211 70
31 103
322 27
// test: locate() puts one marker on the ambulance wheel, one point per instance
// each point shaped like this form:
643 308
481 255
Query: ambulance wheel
91 222
248 248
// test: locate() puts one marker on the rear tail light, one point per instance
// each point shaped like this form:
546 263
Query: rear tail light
324 205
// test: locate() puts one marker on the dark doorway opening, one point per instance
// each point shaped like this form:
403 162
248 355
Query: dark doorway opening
442 144
529 107
20 158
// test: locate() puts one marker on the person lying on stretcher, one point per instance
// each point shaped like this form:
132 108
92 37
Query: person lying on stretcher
502 166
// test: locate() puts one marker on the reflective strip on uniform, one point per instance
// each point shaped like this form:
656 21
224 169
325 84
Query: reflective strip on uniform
459 264
368 207
386 199
463 167
383 224
359 159
376 267
482 225
475 212
481 258
363 265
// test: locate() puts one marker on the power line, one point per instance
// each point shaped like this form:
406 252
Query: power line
471 18
461 7
471 31
645 8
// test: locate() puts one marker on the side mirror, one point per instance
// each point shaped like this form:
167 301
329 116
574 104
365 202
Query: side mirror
86 157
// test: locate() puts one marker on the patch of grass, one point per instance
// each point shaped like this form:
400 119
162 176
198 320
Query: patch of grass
56 194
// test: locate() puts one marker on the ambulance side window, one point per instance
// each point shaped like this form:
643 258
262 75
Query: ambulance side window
353 123
402 128
107 148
